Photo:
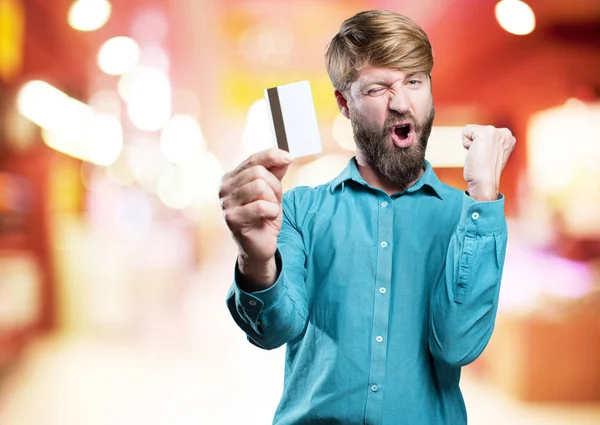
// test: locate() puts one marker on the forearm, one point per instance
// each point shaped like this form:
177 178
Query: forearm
273 316
465 300
255 276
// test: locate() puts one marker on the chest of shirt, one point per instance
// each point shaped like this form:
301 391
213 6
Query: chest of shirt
362 245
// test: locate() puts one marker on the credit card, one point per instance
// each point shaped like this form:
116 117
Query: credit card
294 119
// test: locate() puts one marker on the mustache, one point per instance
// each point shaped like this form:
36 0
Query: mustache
395 116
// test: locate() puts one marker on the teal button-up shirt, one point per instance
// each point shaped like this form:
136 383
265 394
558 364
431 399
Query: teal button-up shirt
380 300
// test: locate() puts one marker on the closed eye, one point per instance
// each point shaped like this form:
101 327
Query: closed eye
376 91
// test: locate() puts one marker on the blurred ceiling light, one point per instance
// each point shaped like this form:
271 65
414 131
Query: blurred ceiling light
148 94
320 171
104 138
146 162
140 80
69 144
155 57
70 126
177 186
193 183
257 135
182 139
49 107
99 143
149 114
558 168
444 148
573 102
120 172
118 55
106 102
515 16
210 174
89 15
342 133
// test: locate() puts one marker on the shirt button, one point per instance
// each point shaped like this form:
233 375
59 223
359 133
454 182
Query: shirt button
373 388
383 244
379 339
384 204
252 303
475 216
382 290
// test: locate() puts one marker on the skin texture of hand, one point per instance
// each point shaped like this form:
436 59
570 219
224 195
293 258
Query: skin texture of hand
488 151
250 198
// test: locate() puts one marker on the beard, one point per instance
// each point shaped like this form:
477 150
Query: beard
400 166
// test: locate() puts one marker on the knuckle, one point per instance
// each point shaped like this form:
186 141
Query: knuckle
223 185
259 171
260 208
261 186
230 218
271 155
252 158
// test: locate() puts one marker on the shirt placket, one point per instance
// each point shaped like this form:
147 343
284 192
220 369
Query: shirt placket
381 310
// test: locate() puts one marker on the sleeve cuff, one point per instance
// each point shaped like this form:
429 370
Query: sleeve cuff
253 303
483 217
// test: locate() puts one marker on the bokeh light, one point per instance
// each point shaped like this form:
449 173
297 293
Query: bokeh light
118 55
89 15
257 134
182 139
515 16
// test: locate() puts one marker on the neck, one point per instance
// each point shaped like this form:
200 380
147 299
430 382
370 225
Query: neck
378 181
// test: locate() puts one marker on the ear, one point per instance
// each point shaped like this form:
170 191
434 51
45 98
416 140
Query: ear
342 103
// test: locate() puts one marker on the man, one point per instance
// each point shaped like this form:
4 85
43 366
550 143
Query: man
385 281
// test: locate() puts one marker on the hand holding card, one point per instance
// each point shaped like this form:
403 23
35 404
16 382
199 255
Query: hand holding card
294 119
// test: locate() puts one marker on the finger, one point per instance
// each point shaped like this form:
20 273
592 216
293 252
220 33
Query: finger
250 192
271 158
252 213
468 134
466 142
469 131
258 172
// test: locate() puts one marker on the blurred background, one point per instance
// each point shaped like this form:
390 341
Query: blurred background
117 121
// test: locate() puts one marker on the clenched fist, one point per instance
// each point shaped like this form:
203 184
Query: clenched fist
251 202
488 151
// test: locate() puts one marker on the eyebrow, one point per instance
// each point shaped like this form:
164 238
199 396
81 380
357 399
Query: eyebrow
365 84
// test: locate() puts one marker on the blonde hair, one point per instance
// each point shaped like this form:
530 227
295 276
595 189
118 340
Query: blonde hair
380 38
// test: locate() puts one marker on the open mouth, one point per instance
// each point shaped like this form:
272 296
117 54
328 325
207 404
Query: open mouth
402 131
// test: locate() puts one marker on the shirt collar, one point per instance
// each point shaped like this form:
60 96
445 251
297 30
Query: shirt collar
351 172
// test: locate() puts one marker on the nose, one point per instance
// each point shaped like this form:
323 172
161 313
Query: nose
399 101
